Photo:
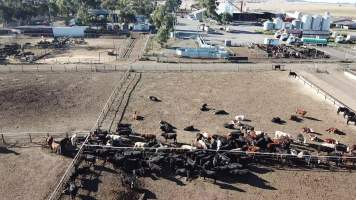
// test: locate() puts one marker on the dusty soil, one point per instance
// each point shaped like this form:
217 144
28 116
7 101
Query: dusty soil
29 173
259 96
53 101
95 50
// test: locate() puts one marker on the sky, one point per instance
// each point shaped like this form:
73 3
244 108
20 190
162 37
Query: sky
334 1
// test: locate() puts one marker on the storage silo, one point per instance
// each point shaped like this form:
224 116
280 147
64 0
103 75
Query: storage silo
268 25
287 25
297 24
307 22
278 22
317 22
326 23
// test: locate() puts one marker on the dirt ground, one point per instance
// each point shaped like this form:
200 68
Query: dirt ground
259 96
55 102
29 172
95 50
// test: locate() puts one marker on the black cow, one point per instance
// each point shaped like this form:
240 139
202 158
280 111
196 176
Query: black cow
171 136
343 110
293 74
166 127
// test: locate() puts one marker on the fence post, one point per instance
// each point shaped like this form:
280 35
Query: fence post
65 68
30 137
37 68
51 68
22 68
3 139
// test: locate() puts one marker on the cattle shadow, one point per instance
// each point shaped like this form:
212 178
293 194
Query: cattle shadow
313 119
85 197
148 194
5 150
140 118
104 169
255 181
90 185
259 169
281 122
227 186
316 133
174 179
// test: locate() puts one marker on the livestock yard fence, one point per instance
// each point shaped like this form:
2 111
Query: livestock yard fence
335 101
141 67
10 138
65 178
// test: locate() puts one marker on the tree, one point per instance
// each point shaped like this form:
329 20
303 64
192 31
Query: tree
225 17
210 6
83 16
127 16
162 35
173 5
158 16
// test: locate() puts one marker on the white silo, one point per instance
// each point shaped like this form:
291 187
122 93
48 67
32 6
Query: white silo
297 15
268 25
297 24
317 22
307 22
326 23
278 22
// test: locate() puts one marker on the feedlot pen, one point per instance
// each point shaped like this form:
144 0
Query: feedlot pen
258 96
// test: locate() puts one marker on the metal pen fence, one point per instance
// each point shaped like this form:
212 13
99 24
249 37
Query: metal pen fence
10 138
70 169
335 101
158 67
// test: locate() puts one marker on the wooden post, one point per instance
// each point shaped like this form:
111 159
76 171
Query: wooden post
3 139
30 137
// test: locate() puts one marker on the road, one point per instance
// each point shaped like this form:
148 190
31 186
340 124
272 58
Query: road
335 83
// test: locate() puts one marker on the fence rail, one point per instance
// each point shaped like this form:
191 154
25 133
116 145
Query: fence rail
31 137
58 190
327 96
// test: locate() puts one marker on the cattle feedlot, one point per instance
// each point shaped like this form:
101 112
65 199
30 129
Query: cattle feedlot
177 100
259 96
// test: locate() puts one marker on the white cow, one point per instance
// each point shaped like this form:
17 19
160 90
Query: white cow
280 134
140 144
189 147
240 117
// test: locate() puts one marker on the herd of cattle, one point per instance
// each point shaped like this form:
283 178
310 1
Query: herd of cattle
208 155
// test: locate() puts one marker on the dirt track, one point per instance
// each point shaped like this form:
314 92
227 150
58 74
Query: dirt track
53 101
29 173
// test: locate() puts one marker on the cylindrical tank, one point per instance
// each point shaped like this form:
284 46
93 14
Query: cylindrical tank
268 25
297 15
351 38
317 22
307 22
286 25
297 24
228 43
278 22
326 23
